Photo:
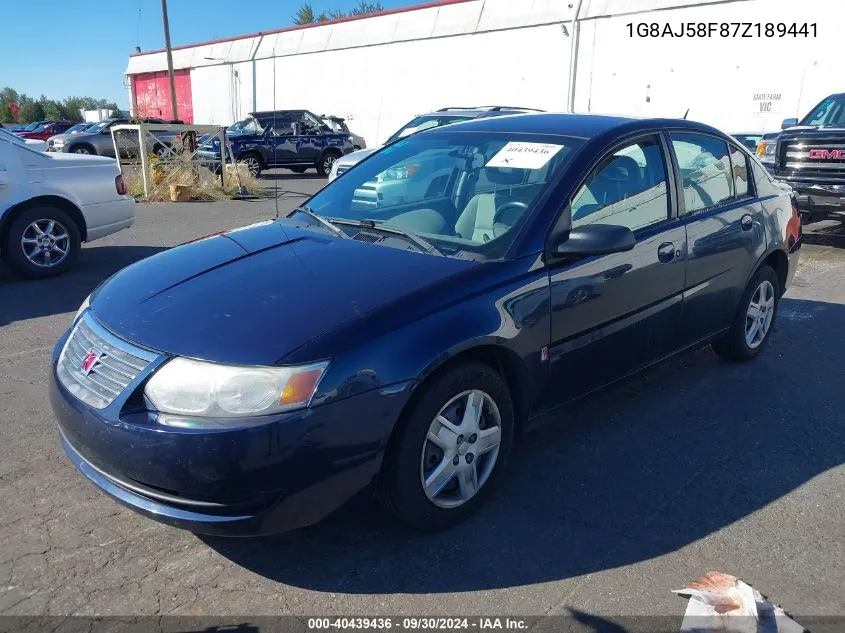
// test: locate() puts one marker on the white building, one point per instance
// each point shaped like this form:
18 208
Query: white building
380 71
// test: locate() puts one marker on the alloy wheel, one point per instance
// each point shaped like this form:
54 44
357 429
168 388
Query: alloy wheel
252 165
81 150
45 243
758 317
328 161
461 449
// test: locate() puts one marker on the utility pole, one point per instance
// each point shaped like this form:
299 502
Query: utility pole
169 59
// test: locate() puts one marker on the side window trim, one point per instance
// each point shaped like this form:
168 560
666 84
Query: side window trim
679 181
671 193
751 191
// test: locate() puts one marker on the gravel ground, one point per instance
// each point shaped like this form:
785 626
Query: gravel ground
692 466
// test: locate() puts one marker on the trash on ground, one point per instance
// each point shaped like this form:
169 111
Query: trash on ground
721 603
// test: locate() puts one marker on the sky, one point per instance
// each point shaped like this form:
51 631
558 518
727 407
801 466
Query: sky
69 52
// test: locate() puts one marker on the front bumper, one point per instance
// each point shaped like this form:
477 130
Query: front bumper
819 199
293 471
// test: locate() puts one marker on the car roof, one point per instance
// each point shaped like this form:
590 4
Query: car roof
584 126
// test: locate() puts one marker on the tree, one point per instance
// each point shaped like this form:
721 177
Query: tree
8 95
6 115
31 111
306 15
53 110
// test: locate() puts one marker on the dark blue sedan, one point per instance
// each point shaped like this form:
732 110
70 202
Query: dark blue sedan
258 380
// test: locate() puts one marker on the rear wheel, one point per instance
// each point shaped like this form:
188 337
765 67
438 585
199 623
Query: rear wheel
324 165
754 320
42 242
450 449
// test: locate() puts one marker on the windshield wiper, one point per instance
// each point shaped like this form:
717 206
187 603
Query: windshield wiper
413 238
321 220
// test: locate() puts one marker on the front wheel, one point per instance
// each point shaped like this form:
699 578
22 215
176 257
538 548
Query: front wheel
42 242
450 449
252 164
755 318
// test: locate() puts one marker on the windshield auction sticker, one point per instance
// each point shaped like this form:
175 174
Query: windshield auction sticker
524 155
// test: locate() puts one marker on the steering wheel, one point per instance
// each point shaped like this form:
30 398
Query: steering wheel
522 207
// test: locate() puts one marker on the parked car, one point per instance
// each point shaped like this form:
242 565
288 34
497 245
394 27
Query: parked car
295 139
31 143
50 204
45 131
749 139
29 127
809 156
421 122
97 139
63 138
257 380
338 125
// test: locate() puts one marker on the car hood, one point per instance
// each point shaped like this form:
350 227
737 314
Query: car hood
810 130
251 296
73 160
354 158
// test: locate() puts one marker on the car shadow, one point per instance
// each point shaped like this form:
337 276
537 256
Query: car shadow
825 233
22 299
641 469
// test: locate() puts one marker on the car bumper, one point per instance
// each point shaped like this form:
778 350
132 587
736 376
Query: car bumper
110 217
819 199
291 472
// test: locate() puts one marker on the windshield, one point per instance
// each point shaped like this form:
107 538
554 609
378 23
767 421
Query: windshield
425 122
464 192
830 112
79 127
32 126
247 126
98 127
334 125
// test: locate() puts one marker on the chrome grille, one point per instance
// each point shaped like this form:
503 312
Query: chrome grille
116 363
796 157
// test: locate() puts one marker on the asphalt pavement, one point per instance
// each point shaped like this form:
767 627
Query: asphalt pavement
695 465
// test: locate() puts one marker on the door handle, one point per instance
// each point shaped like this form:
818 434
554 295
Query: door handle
747 222
666 252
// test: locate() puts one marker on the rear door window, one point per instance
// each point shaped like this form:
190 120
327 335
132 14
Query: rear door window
705 170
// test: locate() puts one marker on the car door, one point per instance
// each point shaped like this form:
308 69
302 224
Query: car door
724 228
282 139
311 140
616 313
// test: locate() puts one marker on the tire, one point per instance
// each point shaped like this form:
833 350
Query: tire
324 165
253 163
299 170
23 228
737 344
412 457
83 149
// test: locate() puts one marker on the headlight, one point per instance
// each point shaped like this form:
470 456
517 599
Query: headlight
194 388
398 173
766 151
82 308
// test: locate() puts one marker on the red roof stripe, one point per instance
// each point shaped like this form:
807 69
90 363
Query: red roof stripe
298 27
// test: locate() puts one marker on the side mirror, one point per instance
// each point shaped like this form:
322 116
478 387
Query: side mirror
788 123
593 239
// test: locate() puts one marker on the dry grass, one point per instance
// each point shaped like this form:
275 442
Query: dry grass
204 184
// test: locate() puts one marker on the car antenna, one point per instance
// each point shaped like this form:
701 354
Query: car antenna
272 141
685 114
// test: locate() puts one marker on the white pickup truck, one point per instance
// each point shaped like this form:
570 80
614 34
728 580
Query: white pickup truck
51 203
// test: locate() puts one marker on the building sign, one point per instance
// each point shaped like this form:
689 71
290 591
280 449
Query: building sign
767 102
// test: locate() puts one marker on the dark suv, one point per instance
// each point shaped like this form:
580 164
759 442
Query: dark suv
810 157
295 139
